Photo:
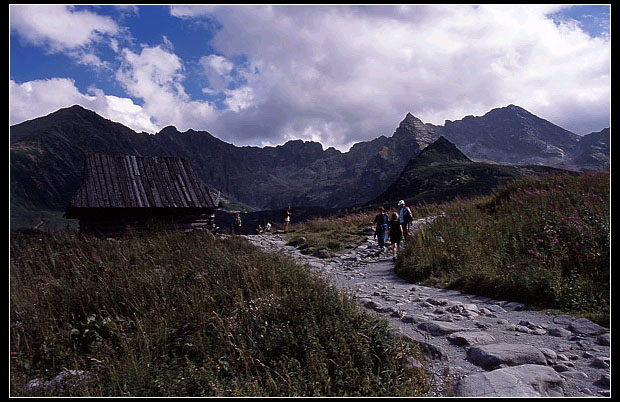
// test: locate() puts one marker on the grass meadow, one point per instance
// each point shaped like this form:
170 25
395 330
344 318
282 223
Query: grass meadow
182 314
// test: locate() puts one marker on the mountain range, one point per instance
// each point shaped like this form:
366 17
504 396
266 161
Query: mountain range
47 156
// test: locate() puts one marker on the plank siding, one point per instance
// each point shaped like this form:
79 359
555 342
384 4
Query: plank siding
129 181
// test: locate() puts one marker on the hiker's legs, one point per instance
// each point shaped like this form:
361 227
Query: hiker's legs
405 227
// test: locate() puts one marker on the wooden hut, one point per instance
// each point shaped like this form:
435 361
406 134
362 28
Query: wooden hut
119 192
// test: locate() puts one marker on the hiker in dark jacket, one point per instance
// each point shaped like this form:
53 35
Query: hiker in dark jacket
237 224
381 222
396 234
405 217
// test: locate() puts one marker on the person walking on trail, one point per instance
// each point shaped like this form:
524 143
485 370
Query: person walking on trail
237 224
395 231
381 223
287 218
405 218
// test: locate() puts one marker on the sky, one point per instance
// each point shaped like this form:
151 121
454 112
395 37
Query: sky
337 74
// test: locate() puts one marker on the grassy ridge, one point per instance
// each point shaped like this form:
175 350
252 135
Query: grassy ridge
176 314
540 240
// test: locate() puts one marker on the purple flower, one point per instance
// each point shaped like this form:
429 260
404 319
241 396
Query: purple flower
540 241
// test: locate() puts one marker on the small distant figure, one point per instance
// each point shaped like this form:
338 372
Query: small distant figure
287 217
396 234
237 224
268 227
381 223
259 229
405 217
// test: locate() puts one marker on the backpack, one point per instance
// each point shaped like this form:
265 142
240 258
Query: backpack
407 215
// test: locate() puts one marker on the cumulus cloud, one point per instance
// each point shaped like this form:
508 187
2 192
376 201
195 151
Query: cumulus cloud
36 98
155 75
60 27
334 74
345 74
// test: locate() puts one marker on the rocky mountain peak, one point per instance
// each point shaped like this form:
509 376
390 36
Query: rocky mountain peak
440 151
410 122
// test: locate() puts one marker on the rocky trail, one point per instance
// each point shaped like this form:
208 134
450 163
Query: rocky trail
475 346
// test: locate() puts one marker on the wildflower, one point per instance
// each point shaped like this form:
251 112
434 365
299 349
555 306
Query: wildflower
532 252
540 241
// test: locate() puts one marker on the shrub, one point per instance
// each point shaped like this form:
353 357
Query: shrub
540 240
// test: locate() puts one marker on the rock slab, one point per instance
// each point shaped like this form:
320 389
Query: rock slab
528 380
497 354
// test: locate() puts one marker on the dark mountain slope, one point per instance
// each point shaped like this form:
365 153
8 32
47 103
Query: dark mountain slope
441 172
511 135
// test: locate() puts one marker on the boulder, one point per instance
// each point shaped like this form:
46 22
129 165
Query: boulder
559 332
437 328
528 380
584 326
495 355
470 338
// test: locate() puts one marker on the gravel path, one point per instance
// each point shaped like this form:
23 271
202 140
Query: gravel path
475 346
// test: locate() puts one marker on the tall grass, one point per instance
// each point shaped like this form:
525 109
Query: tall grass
179 314
544 241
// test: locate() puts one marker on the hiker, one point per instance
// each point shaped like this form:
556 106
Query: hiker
405 217
381 222
395 231
287 217
237 224
259 229
268 227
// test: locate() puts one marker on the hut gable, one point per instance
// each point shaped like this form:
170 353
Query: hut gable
121 190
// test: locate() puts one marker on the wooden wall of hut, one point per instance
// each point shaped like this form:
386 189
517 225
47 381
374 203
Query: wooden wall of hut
124 222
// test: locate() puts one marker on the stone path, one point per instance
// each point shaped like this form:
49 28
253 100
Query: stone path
475 346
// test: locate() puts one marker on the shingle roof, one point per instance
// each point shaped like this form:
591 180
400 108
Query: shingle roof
129 181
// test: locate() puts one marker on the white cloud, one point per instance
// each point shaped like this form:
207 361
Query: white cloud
334 74
59 27
239 99
155 75
348 74
37 98
217 69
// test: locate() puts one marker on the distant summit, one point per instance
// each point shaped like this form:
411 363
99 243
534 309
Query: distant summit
440 151
441 172
511 135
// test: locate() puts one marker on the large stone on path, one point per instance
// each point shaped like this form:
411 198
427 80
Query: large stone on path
470 338
494 355
437 328
584 326
528 380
